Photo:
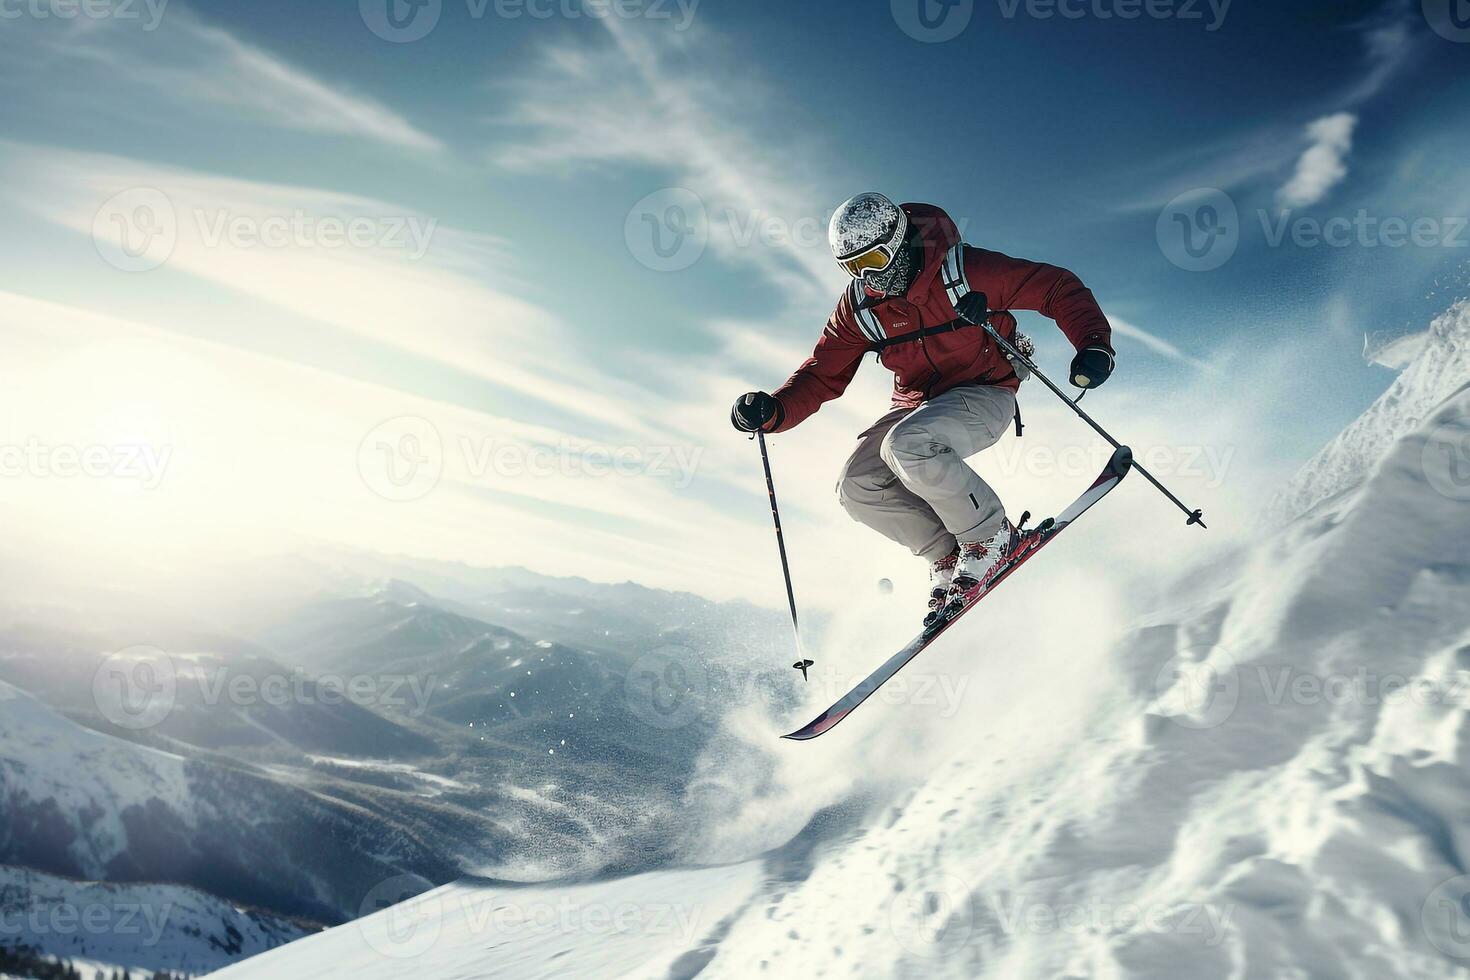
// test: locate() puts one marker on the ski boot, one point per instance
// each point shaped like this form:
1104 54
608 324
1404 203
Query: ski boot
978 562
941 576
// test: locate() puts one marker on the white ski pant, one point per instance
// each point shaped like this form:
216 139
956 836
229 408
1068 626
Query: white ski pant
908 479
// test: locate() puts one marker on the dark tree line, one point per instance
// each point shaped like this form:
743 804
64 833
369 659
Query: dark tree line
22 961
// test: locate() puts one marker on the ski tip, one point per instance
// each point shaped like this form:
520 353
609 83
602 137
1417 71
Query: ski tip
817 726
807 732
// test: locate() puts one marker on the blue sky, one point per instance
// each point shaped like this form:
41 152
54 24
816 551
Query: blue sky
532 153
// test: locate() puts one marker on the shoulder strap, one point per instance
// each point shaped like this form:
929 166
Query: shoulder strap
952 274
867 320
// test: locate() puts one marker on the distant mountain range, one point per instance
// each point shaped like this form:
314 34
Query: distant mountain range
346 719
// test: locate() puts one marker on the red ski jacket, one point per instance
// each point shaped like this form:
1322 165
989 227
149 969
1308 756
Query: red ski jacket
927 366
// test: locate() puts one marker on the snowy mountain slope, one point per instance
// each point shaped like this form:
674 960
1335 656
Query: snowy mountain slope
133 927
58 666
661 924
1274 787
1439 364
83 804
1267 777
1259 799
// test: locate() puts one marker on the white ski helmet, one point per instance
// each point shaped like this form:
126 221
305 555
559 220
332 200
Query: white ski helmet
867 237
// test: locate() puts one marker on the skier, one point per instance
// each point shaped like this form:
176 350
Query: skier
916 292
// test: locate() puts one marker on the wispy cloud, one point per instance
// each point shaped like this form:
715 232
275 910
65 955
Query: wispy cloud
1390 41
1324 164
1246 161
259 83
1156 343
435 306
667 102
185 63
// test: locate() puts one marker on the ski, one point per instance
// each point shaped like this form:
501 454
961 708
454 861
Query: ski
1031 542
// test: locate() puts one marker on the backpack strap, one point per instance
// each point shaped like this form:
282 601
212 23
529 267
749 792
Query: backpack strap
952 275
867 320
904 338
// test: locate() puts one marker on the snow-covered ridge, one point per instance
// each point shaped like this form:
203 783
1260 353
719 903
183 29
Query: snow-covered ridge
1440 366
138 927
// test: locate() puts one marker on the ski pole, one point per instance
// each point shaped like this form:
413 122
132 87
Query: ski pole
1195 516
801 662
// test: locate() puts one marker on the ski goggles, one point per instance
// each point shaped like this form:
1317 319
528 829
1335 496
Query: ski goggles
875 258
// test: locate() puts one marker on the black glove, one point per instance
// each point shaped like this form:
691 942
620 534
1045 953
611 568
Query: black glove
1091 367
972 307
755 410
